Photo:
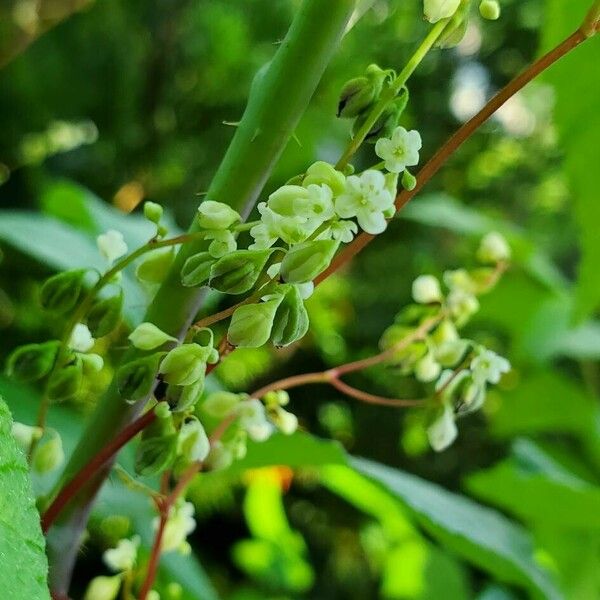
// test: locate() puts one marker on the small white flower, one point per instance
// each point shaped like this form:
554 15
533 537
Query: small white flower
123 557
493 248
103 588
367 199
284 420
426 289
193 443
111 245
427 368
489 367
251 413
317 206
462 306
399 151
263 237
343 231
147 336
261 432
81 338
25 434
443 431
179 525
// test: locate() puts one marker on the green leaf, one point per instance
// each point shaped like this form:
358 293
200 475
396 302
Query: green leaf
578 123
484 537
23 564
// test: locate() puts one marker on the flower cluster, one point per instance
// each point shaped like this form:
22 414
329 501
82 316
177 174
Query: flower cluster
459 369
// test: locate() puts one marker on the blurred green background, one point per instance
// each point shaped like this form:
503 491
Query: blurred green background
106 103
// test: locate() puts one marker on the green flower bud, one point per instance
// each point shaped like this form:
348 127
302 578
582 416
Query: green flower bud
155 454
493 248
136 378
60 293
489 9
409 181
25 434
192 443
387 122
356 96
220 404
216 215
105 315
321 173
236 273
185 364
305 261
442 431
223 242
251 324
91 363
103 588
436 10
181 398
147 336
456 28
156 265
115 528
66 382
33 361
291 319
49 454
196 269
153 212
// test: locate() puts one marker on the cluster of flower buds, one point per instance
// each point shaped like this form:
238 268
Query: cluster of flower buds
458 368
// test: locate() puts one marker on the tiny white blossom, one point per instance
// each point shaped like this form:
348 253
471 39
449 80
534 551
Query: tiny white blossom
252 416
427 368
103 588
123 556
488 366
179 525
263 237
111 245
443 431
81 338
493 248
193 443
343 231
284 420
426 289
367 199
462 306
399 151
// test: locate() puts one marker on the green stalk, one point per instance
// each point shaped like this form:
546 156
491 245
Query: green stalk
278 98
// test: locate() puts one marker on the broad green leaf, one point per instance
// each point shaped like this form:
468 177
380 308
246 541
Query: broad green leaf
23 564
480 535
578 122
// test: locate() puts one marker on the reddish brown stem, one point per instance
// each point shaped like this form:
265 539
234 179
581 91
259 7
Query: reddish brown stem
457 140
91 468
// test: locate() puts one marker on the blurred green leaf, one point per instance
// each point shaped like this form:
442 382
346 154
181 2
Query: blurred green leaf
482 536
23 564
578 121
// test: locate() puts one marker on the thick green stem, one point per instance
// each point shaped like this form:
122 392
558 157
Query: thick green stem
279 96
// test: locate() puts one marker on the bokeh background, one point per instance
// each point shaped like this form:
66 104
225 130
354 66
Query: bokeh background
107 103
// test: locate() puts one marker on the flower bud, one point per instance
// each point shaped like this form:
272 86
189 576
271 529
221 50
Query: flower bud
285 421
155 266
251 324
320 173
115 527
135 379
91 363
409 181
493 249
291 319
155 454
436 10
180 398
81 339
196 269
49 454
356 96
66 382
220 404
305 261
153 212
216 215
192 443
462 306
123 556
443 431
426 289
236 273
60 293
25 434
185 364
105 315
111 245
220 457
147 336
223 242
455 30
427 368
103 588
33 361
490 10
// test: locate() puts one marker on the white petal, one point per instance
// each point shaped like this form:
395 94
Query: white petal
372 222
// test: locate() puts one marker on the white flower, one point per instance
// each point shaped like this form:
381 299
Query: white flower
263 237
111 245
220 456
493 248
488 366
367 199
253 418
427 368
435 10
179 525
103 588
147 336
25 434
462 306
123 557
284 420
399 151
343 231
193 443
426 289
443 431
81 338
317 206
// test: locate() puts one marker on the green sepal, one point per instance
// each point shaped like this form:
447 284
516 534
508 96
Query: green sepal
291 319
305 261
60 293
66 381
238 272
33 361
105 315
135 379
155 454
196 269
251 324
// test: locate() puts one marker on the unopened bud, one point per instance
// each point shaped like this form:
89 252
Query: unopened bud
60 293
